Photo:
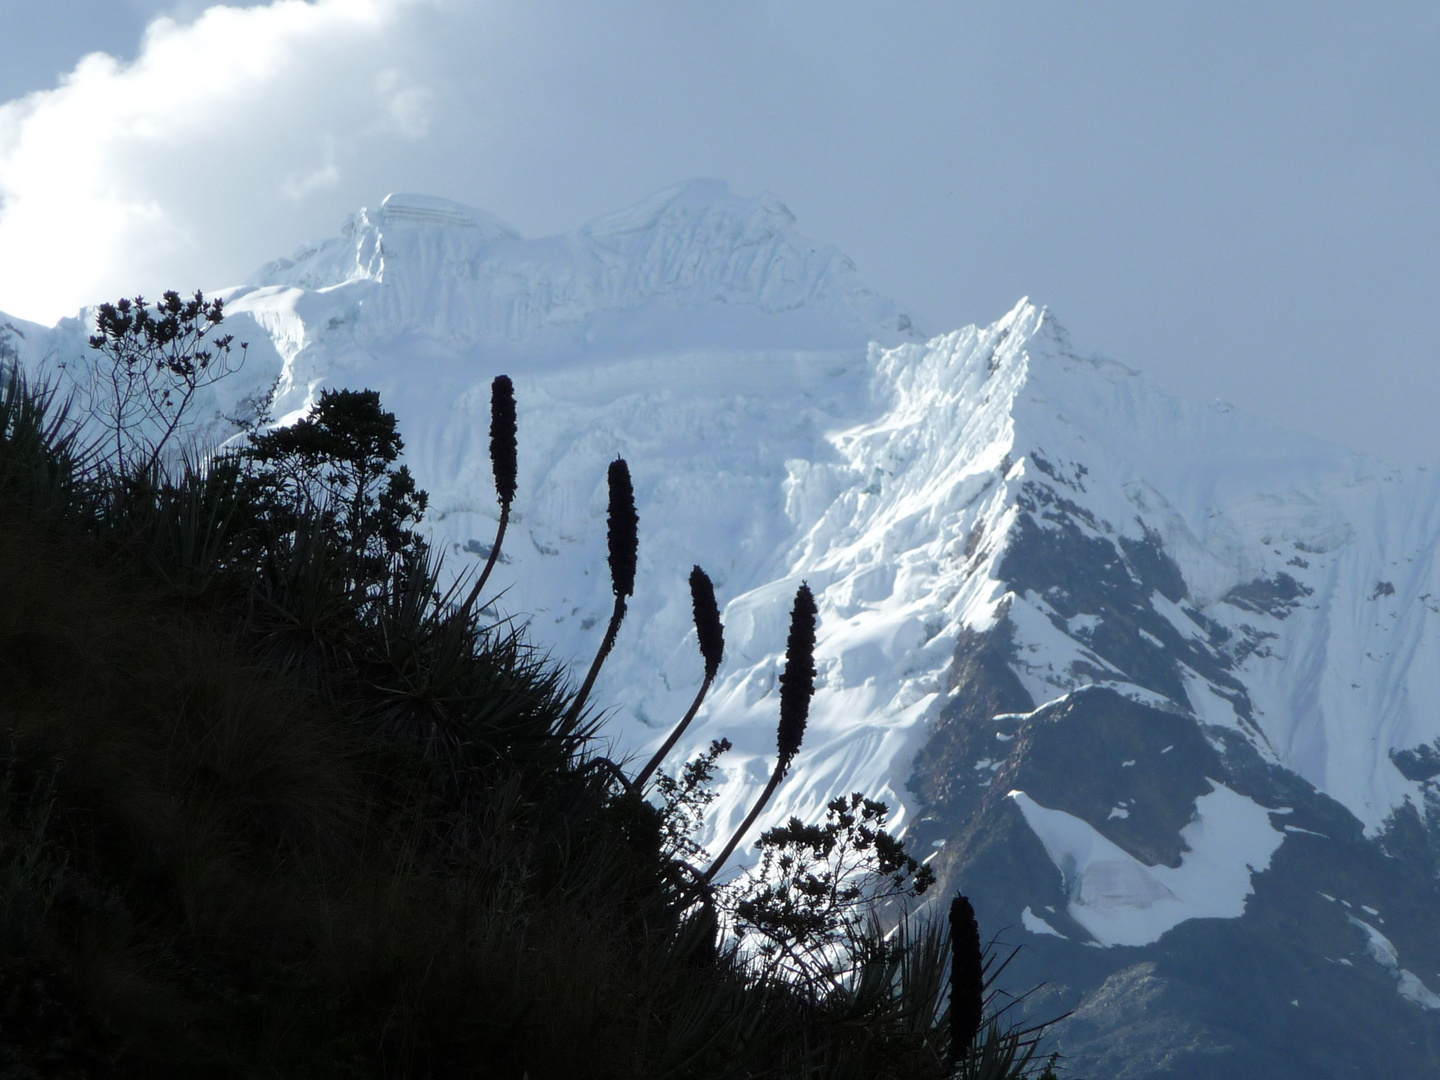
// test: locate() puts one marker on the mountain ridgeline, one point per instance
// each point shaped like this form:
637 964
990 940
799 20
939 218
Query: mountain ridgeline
1152 683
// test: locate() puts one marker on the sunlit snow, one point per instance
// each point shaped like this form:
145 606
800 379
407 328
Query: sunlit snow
1036 925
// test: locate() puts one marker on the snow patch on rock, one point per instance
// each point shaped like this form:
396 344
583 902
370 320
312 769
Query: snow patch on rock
1384 953
1122 901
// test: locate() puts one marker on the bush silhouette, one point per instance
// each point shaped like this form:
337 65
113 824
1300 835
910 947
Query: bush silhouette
152 363
337 465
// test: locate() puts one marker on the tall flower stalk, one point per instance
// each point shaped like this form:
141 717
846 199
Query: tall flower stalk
503 459
967 979
711 634
623 536
797 687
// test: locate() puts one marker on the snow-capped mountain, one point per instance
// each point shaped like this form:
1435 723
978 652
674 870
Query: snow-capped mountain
1153 682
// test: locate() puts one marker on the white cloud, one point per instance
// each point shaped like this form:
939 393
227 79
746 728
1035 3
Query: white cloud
408 105
1220 200
141 176
320 178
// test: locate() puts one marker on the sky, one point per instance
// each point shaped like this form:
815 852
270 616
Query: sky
1239 199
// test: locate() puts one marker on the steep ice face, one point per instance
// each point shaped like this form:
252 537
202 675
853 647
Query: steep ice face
1280 551
625 283
1306 573
359 252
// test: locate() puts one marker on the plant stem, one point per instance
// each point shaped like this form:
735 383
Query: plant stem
490 562
611 632
775 778
674 735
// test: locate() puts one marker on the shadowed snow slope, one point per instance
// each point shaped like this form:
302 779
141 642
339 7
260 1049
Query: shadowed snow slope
991 521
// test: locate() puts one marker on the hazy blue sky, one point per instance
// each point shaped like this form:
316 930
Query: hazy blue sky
1238 198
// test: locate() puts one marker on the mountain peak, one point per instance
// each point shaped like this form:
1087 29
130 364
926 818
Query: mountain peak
693 201
719 269
399 211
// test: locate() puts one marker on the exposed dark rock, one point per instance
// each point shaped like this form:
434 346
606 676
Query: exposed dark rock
982 686
972 540
1077 574
1049 504
1074 481
482 549
1421 763
1153 566
1073 757
1288 990
1277 596
1001 864
1139 1024
1411 839
1213 997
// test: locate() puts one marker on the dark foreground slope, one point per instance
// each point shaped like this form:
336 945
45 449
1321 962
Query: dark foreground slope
240 845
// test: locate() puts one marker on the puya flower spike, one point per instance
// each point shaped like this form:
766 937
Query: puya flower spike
503 459
797 681
711 633
967 979
623 536
797 686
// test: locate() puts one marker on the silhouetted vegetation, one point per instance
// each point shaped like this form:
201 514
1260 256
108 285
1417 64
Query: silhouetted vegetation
797 686
710 634
504 459
153 361
623 541
275 804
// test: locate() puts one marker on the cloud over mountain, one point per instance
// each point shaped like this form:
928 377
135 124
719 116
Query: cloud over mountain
144 174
